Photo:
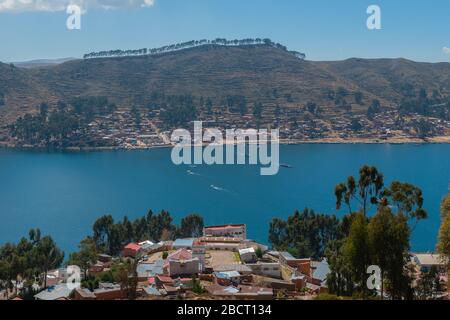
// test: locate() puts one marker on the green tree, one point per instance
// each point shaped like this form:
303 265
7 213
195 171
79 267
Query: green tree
102 232
443 246
355 125
259 253
374 108
49 256
127 231
339 280
367 191
125 274
388 236
445 206
359 97
356 252
197 287
160 224
428 285
191 226
407 198
304 234
7 272
86 256
257 110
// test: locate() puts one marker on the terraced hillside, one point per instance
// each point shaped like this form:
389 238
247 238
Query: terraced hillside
260 73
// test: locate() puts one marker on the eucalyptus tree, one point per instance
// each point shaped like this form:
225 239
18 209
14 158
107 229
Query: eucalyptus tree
366 191
49 256
443 246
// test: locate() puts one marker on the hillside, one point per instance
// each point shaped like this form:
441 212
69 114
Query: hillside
260 73
41 63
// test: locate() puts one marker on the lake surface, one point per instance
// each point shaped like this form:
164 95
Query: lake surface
64 193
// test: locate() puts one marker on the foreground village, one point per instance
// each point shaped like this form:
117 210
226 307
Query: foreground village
222 264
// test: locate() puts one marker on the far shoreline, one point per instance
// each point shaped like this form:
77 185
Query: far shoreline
285 142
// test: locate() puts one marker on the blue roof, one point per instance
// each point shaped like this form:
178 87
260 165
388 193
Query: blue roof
151 291
227 274
54 292
183 243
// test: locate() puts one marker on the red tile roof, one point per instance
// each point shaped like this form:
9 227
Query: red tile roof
133 246
182 254
225 226
165 279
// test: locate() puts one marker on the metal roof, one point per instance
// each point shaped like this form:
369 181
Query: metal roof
183 243
54 293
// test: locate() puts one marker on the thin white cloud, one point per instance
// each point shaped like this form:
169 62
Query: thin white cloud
61 5
446 50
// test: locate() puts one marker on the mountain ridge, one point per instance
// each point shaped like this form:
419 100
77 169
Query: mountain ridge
256 72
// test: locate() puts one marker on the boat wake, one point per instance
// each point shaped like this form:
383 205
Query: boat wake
219 189
192 173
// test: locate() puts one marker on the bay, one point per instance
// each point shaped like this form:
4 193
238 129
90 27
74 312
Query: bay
64 193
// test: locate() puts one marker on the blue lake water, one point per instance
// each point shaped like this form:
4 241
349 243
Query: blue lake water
64 193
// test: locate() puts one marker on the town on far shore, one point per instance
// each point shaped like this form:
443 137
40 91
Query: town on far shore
220 264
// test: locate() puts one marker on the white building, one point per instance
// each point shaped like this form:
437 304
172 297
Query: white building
199 252
231 230
268 269
184 267
425 261
247 255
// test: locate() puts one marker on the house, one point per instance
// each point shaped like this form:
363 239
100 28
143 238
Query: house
104 258
227 278
278 285
161 280
83 294
221 243
173 284
299 280
240 292
247 255
315 289
96 268
181 254
287 259
109 291
426 261
184 267
131 250
182 262
268 269
146 246
320 271
57 276
145 243
148 270
57 292
241 268
183 244
230 230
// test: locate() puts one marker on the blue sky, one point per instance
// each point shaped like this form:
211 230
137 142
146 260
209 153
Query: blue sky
323 29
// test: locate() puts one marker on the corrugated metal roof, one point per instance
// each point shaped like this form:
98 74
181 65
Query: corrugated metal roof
183 243
54 293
